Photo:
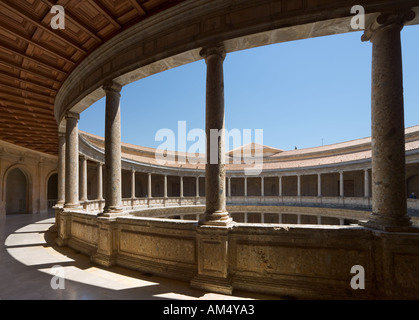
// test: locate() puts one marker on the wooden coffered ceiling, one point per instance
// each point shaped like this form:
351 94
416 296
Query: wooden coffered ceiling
36 59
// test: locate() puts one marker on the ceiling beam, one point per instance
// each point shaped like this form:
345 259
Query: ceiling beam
39 25
6 93
137 5
23 56
37 74
30 127
3 85
2 74
36 44
37 103
20 107
105 12
76 21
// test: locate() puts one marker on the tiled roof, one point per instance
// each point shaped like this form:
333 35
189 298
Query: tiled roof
335 154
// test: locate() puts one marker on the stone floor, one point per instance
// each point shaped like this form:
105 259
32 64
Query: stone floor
29 260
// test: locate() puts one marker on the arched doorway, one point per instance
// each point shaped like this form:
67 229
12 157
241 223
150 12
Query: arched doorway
52 191
16 192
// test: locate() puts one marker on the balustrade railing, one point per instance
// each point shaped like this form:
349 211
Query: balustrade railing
324 201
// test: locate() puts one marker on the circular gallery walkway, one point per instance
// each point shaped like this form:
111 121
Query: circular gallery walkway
30 261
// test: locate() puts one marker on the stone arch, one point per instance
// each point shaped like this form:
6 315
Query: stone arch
413 184
17 190
51 184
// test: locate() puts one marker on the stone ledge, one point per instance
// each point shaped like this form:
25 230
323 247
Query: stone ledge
298 261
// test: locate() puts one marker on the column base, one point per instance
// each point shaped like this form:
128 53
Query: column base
70 206
388 228
212 284
216 219
111 212
59 204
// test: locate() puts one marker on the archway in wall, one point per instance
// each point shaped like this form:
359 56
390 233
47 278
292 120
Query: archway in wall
52 191
16 192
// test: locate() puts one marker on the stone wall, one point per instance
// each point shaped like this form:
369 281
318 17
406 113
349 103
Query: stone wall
35 169
291 261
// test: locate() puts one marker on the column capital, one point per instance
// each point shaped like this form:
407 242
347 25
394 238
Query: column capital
388 19
112 86
217 50
72 115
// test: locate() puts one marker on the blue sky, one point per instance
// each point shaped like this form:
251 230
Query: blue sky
302 94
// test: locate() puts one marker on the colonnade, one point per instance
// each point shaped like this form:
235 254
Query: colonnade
299 187
388 155
184 190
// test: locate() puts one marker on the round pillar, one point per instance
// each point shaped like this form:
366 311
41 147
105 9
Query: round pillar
113 196
61 169
215 188
72 161
389 208
83 179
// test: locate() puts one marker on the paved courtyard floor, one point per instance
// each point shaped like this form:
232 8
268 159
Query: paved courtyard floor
31 265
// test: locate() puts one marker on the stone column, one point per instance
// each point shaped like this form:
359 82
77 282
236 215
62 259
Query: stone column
197 187
149 186
280 186
113 197
319 184
262 186
299 185
72 162
99 181
216 212
229 186
83 179
181 186
389 207
61 169
245 186
165 186
133 184
341 191
366 184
